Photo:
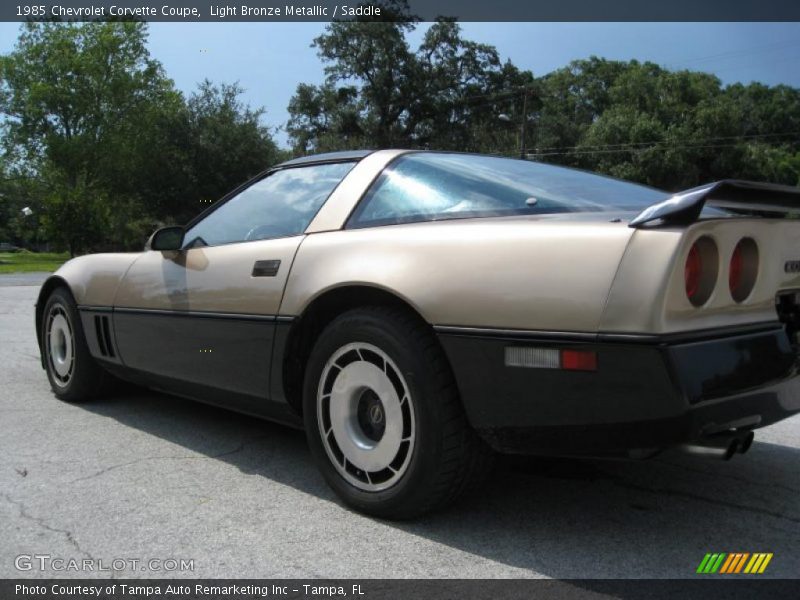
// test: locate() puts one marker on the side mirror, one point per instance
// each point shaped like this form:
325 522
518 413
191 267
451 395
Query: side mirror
166 238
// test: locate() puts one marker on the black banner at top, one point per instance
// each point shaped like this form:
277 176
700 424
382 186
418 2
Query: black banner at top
426 10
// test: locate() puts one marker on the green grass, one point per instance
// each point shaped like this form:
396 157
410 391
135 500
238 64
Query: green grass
28 262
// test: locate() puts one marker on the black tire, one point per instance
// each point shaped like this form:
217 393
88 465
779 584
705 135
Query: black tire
446 455
84 379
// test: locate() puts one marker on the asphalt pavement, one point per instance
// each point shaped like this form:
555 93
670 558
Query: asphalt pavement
143 476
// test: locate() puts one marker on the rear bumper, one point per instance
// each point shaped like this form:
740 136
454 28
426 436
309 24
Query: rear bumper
648 392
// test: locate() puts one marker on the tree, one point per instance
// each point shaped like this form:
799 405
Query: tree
79 99
206 149
15 226
227 143
379 93
462 89
668 129
113 148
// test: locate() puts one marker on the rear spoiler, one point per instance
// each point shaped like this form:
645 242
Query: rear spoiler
748 197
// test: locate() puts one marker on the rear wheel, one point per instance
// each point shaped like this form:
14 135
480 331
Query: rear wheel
73 373
383 417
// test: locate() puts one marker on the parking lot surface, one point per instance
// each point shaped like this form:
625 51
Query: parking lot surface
150 477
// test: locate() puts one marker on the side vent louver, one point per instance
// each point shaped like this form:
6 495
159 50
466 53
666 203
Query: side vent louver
102 330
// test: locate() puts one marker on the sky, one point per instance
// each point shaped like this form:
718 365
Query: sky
269 60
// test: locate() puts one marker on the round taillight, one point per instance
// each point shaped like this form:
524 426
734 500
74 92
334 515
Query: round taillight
743 269
691 274
735 269
700 271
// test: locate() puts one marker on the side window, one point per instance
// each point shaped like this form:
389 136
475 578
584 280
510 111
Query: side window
408 190
280 205
436 186
430 187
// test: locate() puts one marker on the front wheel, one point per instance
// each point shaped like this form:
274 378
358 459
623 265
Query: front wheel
73 373
383 417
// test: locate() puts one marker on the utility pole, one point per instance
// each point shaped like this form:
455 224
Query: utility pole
522 150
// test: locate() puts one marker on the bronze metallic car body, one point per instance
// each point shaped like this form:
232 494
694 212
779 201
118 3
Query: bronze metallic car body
667 371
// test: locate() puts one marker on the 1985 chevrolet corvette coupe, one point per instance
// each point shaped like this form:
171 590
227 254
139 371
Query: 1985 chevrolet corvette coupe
416 311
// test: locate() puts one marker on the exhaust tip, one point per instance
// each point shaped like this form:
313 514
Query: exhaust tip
720 446
732 449
745 441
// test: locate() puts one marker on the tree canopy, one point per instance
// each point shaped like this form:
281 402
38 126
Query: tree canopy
95 126
668 129
637 121
380 93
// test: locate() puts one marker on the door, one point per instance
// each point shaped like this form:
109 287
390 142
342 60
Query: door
201 321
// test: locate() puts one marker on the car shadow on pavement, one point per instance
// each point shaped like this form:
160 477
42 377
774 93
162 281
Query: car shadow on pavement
563 518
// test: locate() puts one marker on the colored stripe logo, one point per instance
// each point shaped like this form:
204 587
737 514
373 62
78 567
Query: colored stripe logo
734 562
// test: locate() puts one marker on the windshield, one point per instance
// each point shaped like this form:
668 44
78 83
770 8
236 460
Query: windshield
435 186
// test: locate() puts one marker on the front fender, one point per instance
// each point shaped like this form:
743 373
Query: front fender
92 280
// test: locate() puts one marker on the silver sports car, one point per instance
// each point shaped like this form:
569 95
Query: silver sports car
417 311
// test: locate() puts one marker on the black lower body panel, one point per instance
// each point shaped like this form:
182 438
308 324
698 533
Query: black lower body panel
216 358
645 394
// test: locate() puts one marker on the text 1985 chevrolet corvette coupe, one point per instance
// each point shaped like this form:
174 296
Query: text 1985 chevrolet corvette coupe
416 310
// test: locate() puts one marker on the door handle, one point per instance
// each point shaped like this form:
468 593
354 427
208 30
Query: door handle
266 268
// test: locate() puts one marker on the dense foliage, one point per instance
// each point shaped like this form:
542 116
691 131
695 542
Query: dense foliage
632 120
101 147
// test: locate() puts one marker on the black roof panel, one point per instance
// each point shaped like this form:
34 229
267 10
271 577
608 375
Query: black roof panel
326 157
